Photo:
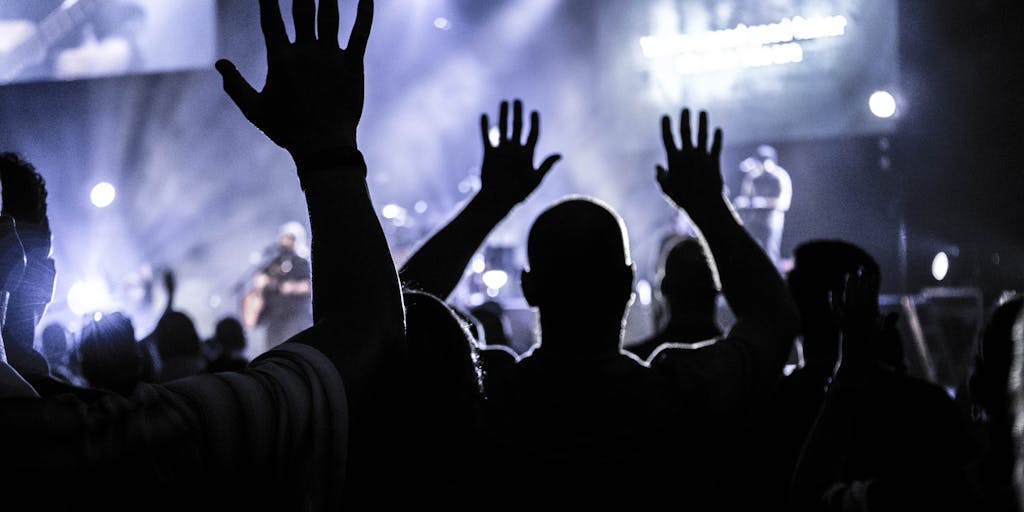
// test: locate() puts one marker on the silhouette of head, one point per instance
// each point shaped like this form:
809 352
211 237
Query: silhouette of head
491 322
819 270
230 334
444 383
110 356
580 273
989 380
54 341
291 237
176 335
686 276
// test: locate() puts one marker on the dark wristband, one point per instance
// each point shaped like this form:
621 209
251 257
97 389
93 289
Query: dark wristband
331 159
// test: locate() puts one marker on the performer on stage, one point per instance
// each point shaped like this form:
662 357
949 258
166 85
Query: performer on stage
281 295
54 39
765 195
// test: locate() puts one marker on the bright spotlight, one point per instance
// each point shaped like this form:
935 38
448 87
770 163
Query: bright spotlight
391 211
442 23
102 194
495 279
494 135
882 104
644 292
87 297
940 266
478 264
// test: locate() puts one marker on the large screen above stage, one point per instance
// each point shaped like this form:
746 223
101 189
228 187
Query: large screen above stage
768 69
72 39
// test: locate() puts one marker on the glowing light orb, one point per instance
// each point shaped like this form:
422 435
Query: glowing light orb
102 195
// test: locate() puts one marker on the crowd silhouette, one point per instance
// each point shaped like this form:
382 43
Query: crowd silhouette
397 397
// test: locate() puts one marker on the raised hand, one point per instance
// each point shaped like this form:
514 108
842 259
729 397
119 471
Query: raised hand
171 285
12 259
313 97
694 175
857 312
507 175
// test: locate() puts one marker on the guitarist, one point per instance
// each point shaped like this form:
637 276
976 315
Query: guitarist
63 39
281 295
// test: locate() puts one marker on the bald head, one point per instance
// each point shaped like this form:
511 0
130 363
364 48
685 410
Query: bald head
575 238
688 278
579 258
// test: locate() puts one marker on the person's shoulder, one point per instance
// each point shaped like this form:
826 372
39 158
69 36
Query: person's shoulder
498 357
685 360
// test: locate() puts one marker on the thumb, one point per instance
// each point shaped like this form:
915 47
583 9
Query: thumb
662 175
547 164
238 89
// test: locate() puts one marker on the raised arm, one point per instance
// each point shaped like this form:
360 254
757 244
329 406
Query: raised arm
24 201
12 267
507 178
766 317
311 105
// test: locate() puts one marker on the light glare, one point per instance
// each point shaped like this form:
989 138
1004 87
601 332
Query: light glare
940 266
882 104
495 279
391 211
102 195
87 297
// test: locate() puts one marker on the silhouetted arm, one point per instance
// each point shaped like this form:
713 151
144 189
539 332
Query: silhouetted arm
311 106
24 201
818 479
766 317
507 178
12 266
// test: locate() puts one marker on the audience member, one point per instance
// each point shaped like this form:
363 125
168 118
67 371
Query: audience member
174 347
989 388
688 293
111 357
571 411
881 439
277 434
57 349
226 349
24 202
492 325
440 458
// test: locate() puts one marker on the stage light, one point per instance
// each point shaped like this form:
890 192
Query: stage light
643 292
494 135
940 266
420 206
391 211
87 297
495 279
479 264
882 104
102 194
442 23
